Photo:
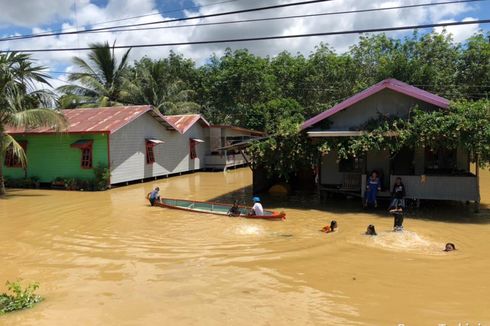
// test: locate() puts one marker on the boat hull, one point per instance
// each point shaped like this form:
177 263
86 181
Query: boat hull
214 208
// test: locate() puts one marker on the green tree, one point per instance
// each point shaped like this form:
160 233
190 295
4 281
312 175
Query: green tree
165 83
474 67
21 103
99 81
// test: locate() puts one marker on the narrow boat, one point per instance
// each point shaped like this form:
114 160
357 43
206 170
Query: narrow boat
214 208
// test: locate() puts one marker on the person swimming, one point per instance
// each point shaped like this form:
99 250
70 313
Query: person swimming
330 228
234 210
450 247
371 230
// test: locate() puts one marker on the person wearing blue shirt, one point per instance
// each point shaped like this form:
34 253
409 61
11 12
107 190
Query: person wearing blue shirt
154 195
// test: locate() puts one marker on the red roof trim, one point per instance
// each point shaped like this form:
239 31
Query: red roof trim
392 84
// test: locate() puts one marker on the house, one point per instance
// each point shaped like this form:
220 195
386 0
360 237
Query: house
427 174
134 143
222 136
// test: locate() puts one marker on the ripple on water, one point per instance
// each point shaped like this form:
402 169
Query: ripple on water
405 241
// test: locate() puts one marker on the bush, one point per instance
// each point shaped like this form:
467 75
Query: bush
32 182
19 298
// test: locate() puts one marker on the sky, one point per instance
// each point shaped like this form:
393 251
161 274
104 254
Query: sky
22 17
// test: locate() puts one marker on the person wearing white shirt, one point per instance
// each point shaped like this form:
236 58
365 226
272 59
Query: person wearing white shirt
257 208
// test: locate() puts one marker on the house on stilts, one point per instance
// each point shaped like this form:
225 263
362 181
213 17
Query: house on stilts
427 174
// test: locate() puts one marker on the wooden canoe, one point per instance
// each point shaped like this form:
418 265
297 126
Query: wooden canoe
214 208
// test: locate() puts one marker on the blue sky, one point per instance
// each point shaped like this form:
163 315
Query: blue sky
34 16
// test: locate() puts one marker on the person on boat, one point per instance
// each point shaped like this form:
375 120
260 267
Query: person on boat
330 228
398 218
398 194
371 230
372 188
257 208
234 210
154 196
450 247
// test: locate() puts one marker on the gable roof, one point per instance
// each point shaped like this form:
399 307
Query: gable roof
97 120
240 129
184 122
392 84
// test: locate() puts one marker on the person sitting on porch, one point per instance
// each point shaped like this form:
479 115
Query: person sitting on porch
398 218
257 208
372 188
330 228
398 194
154 195
371 230
234 210
450 247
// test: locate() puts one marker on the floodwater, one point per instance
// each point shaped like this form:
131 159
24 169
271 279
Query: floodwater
109 259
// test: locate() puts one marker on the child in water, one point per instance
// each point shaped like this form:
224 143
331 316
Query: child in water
371 230
450 247
398 218
330 228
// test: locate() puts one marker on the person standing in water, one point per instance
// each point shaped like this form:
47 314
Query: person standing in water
398 194
450 247
398 218
257 208
372 188
154 196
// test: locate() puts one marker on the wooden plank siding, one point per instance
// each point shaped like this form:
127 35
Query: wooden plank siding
128 150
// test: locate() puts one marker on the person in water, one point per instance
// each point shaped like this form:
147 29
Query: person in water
371 230
372 188
450 247
154 196
398 194
257 208
234 210
330 228
398 218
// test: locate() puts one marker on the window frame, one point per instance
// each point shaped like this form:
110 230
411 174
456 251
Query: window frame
87 163
192 149
150 153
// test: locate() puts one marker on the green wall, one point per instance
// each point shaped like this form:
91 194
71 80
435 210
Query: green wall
50 156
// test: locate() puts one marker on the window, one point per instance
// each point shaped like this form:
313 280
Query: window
354 164
440 161
150 156
87 158
85 145
192 149
11 159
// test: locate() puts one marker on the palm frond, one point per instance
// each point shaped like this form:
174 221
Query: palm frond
38 118
7 143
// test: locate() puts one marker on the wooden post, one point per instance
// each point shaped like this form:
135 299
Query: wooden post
246 160
477 173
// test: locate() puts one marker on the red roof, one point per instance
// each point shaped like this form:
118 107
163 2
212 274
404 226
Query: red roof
96 120
394 85
184 122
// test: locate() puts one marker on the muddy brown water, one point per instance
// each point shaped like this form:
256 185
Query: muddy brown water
109 259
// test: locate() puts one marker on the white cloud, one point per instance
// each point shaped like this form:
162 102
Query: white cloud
89 14
459 33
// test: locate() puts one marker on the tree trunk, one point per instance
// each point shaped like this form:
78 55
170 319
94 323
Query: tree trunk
2 181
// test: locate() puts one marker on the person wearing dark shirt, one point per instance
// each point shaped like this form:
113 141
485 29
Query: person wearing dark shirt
234 210
371 230
398 194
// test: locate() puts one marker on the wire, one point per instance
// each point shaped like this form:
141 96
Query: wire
287 17
22 37
264 38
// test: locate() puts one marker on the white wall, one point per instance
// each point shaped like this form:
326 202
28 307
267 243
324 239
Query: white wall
128 150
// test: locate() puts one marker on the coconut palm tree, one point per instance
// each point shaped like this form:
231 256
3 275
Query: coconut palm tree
21 104
157 82
99 81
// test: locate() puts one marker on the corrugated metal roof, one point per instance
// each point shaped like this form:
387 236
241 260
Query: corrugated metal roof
394 85
240 129
184 122
97 120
